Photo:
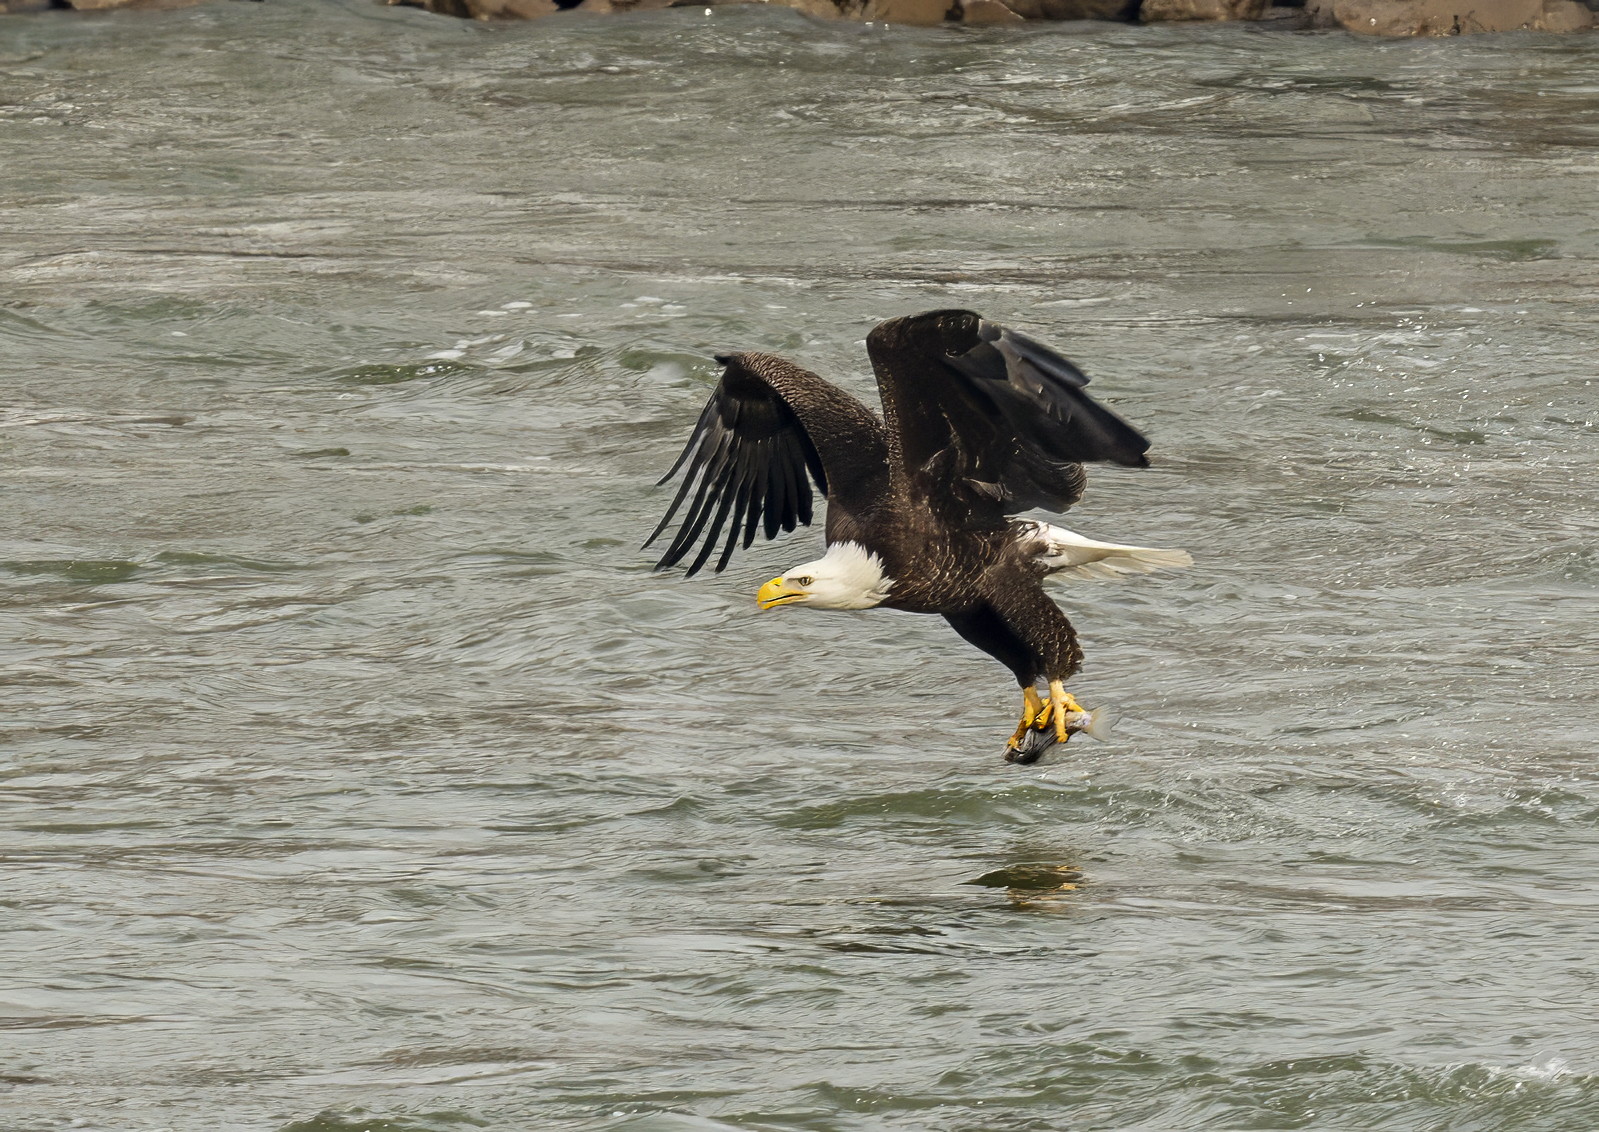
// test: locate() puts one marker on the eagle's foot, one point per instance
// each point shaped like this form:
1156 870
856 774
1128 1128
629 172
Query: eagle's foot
1045 723
1032 709
1062 708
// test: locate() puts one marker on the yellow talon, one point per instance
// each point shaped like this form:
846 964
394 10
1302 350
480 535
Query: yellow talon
1060 711
1058 700
1031 707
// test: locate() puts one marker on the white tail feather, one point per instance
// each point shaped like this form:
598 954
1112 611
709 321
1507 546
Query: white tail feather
1067 552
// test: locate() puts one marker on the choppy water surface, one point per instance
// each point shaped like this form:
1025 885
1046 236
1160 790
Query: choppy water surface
358 773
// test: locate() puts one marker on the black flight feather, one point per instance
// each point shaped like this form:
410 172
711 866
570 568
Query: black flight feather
747 463
1042 397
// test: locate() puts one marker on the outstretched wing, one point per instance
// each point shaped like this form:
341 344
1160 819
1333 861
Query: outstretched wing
1041 396
749 455
1000 417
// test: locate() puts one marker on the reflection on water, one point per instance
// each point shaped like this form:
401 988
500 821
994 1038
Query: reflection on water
359 773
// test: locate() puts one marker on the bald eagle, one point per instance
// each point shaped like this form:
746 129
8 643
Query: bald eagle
979 424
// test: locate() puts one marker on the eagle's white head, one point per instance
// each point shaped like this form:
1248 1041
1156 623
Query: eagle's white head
848 576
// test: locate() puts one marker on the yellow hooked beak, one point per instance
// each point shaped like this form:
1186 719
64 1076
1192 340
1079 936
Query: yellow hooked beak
774 593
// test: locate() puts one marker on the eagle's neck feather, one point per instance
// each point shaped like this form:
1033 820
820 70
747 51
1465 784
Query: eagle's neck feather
848 576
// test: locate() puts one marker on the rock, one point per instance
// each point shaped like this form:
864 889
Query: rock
1369 17
535 9
512 9
981 12
145 5
1124 10
821 9
1319 14
441 7
1565 15
1155 11
486 9
1459 17
923 13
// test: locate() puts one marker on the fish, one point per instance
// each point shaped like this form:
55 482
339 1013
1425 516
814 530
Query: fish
1040 737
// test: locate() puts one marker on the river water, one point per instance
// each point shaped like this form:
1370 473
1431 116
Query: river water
357 772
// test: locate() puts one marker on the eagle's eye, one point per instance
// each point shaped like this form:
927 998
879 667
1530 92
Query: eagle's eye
805 581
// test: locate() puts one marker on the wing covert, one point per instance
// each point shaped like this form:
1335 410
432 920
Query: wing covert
1001 419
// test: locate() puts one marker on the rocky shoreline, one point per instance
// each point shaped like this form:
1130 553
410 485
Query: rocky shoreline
1362 17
